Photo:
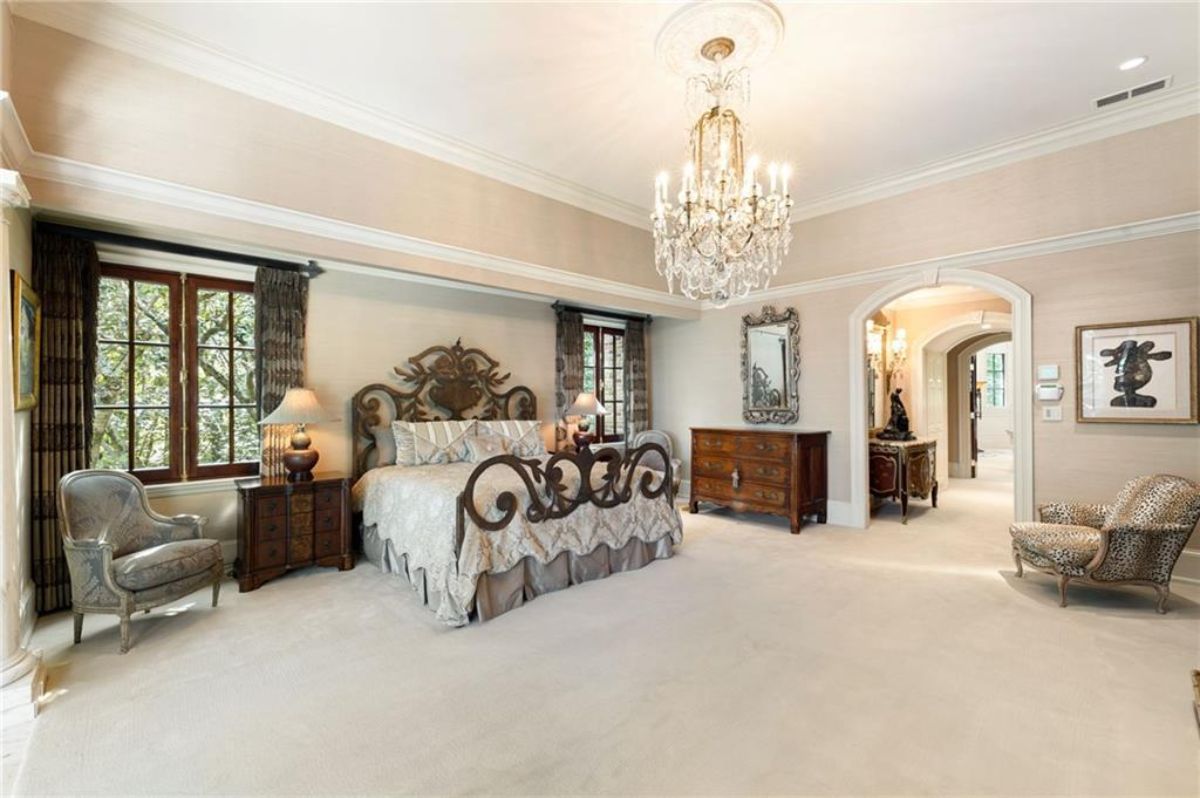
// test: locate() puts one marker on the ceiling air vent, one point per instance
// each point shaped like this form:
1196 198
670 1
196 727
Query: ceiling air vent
1137 91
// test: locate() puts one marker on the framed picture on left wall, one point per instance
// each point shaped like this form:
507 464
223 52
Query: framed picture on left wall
27 342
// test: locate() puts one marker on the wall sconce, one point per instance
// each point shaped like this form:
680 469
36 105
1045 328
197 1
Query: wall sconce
899 351
874 344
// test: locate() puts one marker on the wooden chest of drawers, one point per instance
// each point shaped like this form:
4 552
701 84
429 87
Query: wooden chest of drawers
774 471
284 525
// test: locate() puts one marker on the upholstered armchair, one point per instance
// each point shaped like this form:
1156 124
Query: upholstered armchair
123 556
654 462
1136 540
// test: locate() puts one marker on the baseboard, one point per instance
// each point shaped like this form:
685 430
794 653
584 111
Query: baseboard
1188 567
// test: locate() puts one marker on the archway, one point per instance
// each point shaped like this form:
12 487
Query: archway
1020 303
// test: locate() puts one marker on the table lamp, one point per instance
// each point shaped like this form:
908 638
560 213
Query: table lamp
299 407
586 404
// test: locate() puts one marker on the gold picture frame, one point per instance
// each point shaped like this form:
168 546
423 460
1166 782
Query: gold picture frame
26 343
1114 373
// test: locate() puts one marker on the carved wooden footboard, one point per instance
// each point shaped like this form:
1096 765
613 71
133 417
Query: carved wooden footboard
606 478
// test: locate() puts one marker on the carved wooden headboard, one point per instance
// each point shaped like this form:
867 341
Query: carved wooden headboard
445 383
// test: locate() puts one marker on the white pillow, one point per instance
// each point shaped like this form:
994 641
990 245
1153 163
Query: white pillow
524 437
432 442
481 447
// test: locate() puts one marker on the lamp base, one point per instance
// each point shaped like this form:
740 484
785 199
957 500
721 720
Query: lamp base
300 463
583 440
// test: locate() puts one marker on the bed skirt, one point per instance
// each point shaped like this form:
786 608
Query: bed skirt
496 594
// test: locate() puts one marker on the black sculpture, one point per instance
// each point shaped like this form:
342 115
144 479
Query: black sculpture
897 425
1133 372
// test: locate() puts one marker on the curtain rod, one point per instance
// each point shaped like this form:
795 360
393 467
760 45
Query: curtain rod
559 307
309 269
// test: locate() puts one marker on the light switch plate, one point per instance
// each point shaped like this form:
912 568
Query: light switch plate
1052 413
1047 372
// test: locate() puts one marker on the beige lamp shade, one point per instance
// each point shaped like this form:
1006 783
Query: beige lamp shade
299 406
586 404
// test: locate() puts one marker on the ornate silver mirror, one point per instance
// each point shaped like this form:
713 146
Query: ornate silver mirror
771 366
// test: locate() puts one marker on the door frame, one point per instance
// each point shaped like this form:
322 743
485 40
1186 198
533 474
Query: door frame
1021 305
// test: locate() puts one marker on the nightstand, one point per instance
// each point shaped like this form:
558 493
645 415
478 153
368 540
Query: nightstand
286 525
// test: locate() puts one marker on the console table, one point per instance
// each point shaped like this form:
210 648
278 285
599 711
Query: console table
903 470
775 471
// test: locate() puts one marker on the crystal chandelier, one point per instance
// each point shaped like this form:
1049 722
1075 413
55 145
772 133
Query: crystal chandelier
721 236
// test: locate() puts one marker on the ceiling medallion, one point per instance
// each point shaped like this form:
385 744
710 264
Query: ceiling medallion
722 235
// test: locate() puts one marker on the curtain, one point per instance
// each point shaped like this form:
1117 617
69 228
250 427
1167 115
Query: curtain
568 369
66 277
280 317
637 400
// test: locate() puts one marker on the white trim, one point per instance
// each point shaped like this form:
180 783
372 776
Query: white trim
1021 304
14 144
163 489
1132 231
13 193
132 33
1153 109
169 261
175 195
839 513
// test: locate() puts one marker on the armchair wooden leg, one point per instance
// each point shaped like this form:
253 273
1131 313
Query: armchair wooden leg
78 627
1062 589
124 633
1017 560
216 590
1164 593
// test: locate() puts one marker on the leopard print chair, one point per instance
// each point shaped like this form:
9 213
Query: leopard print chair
1136 540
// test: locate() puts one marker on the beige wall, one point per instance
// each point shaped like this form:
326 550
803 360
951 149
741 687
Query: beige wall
697 373
1146 174
360 326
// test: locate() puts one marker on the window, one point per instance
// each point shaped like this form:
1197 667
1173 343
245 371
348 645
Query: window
176 391
994 372
604 375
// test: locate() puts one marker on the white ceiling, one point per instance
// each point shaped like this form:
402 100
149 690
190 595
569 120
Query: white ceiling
856 93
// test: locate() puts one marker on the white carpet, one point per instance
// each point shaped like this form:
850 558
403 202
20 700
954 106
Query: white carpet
897 660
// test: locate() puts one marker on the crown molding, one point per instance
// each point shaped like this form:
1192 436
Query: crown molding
122 30
1154 109
14 144
98 178
126 31
1132 231
13 193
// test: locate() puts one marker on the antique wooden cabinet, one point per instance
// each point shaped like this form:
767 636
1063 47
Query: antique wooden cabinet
776 471
903 470
284 525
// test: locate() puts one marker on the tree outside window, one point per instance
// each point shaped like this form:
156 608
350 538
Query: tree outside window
994 373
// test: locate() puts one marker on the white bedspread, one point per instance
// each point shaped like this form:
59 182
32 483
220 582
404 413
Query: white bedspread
414 508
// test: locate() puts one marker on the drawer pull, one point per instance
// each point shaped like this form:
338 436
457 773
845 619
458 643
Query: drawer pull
736 477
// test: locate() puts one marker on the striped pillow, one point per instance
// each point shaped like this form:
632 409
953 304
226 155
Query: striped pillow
524 437
432 442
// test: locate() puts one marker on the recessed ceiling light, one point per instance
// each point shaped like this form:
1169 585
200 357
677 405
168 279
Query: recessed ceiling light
1132 63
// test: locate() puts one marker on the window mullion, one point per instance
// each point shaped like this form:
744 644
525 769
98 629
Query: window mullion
130 399
184 403
229 360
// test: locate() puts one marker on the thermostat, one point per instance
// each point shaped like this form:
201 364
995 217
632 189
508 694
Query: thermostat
1047 372
1050 393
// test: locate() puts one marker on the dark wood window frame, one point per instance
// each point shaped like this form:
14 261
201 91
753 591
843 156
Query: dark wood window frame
173 472
183 402
606 430
195 470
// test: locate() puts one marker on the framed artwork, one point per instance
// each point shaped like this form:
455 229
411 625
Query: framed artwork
27 341
1137 372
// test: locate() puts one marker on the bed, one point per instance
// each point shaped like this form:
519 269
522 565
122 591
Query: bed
477 539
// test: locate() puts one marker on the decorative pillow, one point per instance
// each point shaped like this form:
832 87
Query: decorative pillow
481 447
524 437
432 442
385 445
